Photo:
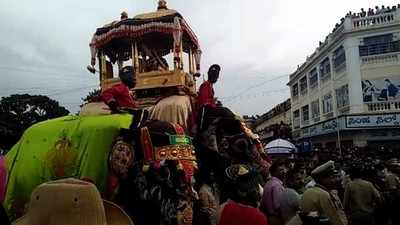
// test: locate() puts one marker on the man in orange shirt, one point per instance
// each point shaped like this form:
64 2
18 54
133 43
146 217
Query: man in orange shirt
206 90
206 102
118 96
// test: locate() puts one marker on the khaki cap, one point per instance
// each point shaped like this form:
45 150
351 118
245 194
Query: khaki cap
324 170
71 202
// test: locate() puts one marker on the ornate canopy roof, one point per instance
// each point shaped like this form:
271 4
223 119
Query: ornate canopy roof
154 27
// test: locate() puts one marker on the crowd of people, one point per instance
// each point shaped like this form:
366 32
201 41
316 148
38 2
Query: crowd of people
359 186
362 187
371 12
383 10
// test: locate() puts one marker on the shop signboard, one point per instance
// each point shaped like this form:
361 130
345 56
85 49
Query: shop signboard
373 121
322 128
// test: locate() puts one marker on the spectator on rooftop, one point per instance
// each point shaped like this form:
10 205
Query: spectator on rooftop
377 10
363 13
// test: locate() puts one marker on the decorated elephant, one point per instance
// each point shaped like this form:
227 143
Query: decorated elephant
153 164
134 162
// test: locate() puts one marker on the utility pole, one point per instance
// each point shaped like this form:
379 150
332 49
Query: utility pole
338 135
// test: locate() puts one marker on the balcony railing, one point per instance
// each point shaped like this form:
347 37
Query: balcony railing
337 33
313 85
340 68
376 20
326 77
328 115
316 119
379 59
380 48
296 123
295 98
344 110
305 122
303 92
383 106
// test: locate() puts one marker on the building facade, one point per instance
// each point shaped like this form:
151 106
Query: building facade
249 121
348 90
275 123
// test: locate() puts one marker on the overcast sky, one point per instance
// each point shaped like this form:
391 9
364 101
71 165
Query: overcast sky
44 43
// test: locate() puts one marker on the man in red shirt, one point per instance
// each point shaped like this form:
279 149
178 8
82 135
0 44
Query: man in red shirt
206 102
118 96
206 90
244 195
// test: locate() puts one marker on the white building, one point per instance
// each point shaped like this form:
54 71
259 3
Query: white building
349 88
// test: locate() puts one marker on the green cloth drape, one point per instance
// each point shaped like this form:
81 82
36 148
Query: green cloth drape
70 146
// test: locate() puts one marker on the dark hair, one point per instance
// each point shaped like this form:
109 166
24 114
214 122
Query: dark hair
292 172
275 165
214 67
213 73
245 189
355 171
126 76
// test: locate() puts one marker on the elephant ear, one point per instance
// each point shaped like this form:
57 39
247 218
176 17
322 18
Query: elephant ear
240 145
209 138
132 136
240 149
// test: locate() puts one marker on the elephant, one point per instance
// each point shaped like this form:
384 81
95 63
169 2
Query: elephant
157 186
129 158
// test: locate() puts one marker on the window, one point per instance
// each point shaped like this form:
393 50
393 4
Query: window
325 69
315 109
295 90
380 44
342 96
339 58
303 85
313 78
296 119
305 113
378 39
296 114
327 106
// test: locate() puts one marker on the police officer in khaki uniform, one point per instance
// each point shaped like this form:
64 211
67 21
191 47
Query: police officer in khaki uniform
392 186
322 201
360 198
